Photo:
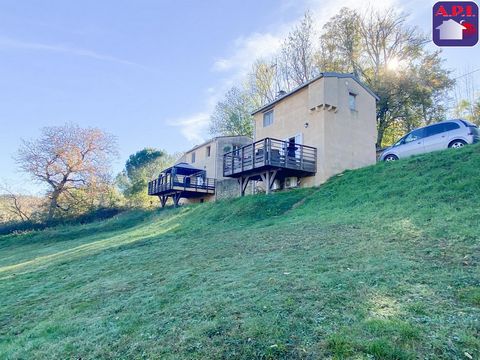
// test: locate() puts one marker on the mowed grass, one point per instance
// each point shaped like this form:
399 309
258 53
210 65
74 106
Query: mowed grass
378 263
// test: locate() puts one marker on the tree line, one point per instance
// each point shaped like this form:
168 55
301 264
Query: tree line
74 166
379 47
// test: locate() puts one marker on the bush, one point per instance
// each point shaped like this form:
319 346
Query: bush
94 215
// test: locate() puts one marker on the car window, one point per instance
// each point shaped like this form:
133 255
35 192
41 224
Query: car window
414 135
451 126
434 129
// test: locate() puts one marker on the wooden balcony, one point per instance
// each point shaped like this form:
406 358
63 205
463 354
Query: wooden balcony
190 186
271 154
181 181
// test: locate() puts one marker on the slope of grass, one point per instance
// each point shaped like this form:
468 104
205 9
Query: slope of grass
379 263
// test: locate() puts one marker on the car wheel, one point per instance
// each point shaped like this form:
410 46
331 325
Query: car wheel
390 157
457 144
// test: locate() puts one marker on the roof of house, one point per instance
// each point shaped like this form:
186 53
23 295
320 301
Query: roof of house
213 139
322 75
182 168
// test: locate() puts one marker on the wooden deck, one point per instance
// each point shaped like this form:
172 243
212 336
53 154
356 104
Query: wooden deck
189 186
271 154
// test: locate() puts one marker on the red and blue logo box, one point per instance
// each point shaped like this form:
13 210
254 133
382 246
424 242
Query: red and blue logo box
455 23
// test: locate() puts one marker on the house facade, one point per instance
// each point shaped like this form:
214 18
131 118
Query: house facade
198 174
304 137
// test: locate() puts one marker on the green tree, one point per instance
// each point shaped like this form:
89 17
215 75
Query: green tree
391 58
468 110
140 168
232 115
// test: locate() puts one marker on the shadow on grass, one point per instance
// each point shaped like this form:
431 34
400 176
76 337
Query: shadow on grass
68 232
98 241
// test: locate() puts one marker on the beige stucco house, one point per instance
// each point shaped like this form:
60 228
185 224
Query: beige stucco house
198 174
320 129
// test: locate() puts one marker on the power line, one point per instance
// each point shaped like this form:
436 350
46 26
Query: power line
469 73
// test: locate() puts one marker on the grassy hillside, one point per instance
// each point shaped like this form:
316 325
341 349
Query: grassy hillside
379 263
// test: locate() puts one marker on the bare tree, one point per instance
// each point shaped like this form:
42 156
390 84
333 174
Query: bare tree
67 158
387 39
18 206
13 204
340 53
263 82
298 53
467 96
390 56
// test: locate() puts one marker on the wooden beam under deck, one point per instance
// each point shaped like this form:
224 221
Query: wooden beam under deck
267 177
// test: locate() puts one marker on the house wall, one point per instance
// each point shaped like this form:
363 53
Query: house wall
350 135
213 165
206 198
226 144
344 139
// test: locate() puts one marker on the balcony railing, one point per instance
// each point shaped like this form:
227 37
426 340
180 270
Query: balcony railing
190 183
272 153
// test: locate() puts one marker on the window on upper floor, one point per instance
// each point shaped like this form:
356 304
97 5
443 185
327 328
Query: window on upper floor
268 118
352 101
193 157
208 151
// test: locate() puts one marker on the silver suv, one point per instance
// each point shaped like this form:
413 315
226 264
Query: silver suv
443 135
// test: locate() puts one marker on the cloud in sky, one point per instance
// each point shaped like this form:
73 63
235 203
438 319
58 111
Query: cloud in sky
192 126
247 48
254 46
6 42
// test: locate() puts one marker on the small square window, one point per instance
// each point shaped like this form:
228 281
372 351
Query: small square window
193 157
268 118
208 151
352 101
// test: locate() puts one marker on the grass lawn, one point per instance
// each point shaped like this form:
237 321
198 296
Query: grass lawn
379 263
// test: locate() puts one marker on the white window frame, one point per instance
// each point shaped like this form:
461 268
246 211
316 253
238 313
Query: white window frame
264 115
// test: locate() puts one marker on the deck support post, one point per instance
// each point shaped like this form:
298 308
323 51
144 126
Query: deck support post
268 189
176 198
243 181
272 178
163 200
268 178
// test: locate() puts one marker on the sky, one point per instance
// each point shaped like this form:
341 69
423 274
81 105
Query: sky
147 71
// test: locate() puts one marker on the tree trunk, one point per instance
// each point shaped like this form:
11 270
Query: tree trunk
380 133
53 205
